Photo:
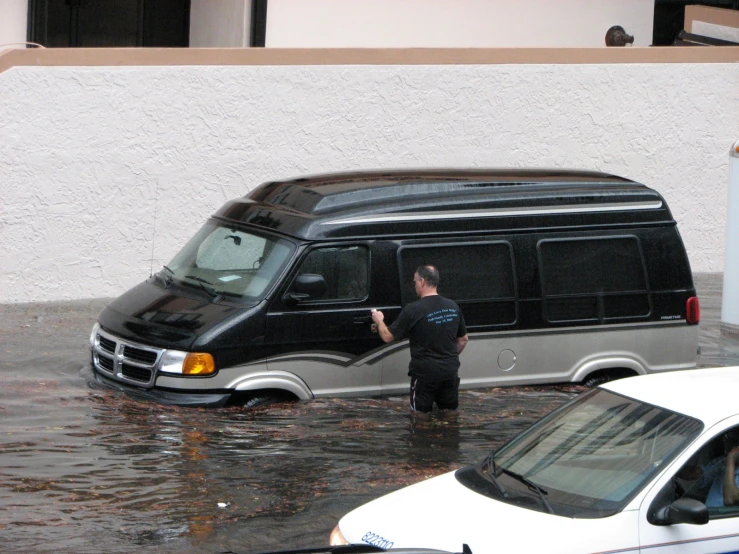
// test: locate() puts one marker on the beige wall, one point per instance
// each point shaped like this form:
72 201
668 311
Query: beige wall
457 23
13 22
419 23
222 24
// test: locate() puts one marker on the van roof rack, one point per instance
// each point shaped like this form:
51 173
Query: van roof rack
428 202
335 192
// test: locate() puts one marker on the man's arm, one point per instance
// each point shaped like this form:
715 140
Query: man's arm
379 318
464 339
731 491
461 343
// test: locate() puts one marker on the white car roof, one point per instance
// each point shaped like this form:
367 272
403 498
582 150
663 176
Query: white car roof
708 394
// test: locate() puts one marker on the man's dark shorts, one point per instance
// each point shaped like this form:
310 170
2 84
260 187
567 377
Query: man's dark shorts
425 393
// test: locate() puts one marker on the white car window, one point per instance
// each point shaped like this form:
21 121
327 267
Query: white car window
590 458
712 476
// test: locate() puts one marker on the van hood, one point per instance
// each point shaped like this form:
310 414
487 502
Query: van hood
441 513
165 318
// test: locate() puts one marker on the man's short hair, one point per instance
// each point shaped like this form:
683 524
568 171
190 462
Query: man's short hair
429 274
731 438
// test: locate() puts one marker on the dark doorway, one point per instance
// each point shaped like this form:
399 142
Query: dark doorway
110 23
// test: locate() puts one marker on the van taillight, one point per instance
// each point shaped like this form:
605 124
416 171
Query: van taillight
692 310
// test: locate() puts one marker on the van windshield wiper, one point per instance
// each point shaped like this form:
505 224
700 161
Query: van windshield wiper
206 285
532 487
168 278
490 461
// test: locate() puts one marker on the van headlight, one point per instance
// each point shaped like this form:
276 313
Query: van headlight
336 538
187 363
94 334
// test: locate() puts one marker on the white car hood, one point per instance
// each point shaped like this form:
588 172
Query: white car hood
441 513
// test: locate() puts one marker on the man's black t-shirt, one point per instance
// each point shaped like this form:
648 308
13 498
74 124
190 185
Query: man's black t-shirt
433 324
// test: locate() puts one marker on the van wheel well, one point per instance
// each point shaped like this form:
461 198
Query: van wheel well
603 376
262 397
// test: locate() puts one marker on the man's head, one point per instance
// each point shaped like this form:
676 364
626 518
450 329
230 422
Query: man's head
731 438
426 280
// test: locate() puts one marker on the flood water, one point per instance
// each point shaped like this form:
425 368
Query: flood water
85 469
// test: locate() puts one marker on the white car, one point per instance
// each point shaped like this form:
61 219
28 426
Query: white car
636 465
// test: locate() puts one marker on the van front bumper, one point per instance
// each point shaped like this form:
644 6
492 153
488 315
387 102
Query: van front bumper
203 400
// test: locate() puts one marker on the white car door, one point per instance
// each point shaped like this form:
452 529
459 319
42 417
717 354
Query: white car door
698 475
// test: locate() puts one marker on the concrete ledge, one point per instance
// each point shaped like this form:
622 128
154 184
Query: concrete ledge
360 56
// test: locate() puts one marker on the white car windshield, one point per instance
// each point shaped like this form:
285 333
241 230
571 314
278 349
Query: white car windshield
589 458
229 262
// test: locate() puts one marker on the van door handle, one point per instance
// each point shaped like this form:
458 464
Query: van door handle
362 320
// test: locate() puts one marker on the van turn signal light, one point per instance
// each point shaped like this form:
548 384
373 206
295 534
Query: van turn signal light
198 363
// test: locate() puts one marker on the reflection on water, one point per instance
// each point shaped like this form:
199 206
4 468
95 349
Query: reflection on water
90 470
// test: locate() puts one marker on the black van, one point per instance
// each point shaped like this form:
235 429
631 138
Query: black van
563 276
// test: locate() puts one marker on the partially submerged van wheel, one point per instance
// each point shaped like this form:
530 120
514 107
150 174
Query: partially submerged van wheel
600 377
262 398
595 379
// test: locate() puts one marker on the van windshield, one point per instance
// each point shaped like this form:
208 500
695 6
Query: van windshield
590 458
226 261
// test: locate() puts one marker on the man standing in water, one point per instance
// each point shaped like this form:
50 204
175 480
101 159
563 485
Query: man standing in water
437 333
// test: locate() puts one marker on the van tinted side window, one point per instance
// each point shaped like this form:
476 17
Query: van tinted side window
597 280
479 277
345 269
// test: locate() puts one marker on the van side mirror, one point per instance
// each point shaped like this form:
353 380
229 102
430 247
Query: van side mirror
683 510
307 286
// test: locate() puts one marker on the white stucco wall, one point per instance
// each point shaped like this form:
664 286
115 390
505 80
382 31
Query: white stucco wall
103 169
457 23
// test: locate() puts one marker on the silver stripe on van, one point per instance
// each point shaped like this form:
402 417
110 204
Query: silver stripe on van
497 212
340 359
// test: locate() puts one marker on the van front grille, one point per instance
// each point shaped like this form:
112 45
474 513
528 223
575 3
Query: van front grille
136 373
107 345
125 362
105 363
140 355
